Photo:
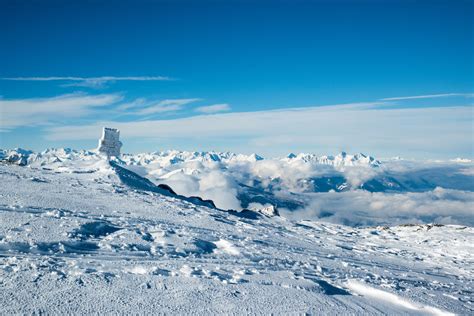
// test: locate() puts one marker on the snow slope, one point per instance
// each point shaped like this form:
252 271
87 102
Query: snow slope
76 237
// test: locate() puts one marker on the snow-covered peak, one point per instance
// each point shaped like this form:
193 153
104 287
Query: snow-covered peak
62 154
59 159
172 157
341 160
17 156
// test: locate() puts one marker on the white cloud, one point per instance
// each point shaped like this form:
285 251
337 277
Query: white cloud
139 102
215 108
169 105
350 127
430 96
292 180
356 208
94 82
40 111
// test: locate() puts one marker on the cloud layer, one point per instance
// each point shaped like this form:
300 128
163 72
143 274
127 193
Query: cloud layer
440 192
381 128
42 111
430 96
362 127
362 208
170 105
92 82
215 108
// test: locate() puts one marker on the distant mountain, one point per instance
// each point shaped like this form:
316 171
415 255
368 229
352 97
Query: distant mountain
341 160
240 181
170 157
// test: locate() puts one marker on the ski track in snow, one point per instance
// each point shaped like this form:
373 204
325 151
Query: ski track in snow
86 243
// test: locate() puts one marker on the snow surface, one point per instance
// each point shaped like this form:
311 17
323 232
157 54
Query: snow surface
78 235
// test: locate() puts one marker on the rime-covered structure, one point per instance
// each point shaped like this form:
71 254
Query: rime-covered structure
110 144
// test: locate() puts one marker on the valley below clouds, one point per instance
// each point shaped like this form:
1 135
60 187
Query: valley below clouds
354 190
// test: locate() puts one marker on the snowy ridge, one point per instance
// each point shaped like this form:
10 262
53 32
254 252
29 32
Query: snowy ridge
341 160
170 157
47 157
174 157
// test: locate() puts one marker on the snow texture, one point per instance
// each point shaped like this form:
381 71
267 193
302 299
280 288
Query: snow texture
80 235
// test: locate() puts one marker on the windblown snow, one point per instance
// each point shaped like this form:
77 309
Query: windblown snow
182 232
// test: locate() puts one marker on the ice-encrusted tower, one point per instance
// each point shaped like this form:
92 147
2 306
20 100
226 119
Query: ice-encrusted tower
110 144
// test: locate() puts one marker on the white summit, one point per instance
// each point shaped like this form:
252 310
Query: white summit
109 143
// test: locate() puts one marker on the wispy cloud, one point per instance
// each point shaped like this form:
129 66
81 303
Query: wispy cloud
215 108
430 96
139 102
330 128
170 105
419 131
93 82
41 111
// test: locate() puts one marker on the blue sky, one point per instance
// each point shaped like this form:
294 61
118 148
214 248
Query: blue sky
270 77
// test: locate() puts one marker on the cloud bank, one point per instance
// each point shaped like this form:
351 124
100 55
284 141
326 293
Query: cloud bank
424 132
439 192
362 208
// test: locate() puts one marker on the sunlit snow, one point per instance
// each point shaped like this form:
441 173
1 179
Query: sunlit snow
180 232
